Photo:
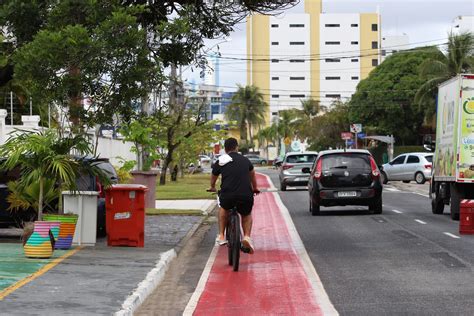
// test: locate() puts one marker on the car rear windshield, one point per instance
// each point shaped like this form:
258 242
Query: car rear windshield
301 158
107 167
346 161
429 158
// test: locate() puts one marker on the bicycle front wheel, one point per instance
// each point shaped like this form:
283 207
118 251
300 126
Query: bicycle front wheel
228 236
235 242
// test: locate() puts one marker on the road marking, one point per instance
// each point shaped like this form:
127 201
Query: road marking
37 274
420 221
451 235
392 189
397 211
423 195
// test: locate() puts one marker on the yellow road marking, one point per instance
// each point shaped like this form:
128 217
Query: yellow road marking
37 274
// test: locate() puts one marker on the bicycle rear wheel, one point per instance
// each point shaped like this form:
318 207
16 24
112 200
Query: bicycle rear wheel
236 241
228 236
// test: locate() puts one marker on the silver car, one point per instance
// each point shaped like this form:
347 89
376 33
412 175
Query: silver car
408 167
291 170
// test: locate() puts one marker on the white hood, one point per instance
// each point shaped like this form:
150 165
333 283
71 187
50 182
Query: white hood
224 159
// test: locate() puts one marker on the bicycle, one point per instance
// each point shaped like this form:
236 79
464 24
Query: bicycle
233 235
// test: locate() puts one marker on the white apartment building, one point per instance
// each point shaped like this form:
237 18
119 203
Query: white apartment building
315 54
394 43
462 24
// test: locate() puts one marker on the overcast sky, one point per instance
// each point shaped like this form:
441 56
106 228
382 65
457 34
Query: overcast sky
424 21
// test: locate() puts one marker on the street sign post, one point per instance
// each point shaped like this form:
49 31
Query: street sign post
356 128
346 136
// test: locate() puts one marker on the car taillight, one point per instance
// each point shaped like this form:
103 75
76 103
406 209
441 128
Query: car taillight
375 170
428 166
319 168
99 188
285 167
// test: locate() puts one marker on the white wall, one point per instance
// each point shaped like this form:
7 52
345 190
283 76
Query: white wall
284 69
393 43
345 52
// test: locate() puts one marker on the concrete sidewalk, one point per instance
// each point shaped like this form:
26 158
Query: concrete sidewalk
104 280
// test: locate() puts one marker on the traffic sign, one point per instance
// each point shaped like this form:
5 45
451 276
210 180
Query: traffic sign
356 128
361 135
350 142
346 135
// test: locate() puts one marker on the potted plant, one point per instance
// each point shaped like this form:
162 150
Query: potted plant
46 168
141 132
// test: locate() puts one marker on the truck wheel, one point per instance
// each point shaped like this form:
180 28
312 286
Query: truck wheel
420 178
437 206
376 206
315 209
454 203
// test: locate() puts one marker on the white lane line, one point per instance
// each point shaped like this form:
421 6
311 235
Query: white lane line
423 195
322 297
392 189
420 221
451 235
193 302
397 211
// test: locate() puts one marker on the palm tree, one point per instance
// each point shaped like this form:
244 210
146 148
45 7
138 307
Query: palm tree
267 135
443 66
42 156
286 125
304 117
248 109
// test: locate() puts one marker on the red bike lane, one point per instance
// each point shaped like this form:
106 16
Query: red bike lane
272 281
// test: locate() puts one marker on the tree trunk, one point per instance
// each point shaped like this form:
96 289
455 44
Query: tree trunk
40 199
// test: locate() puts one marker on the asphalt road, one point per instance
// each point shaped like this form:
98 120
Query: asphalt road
405 261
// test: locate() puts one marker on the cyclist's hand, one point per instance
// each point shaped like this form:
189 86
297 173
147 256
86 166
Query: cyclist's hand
256 191
211 190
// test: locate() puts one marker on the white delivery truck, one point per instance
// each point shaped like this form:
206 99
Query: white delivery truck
453 165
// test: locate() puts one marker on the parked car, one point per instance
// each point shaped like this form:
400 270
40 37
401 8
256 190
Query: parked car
291 173
89 182
256 159
344 177
408 167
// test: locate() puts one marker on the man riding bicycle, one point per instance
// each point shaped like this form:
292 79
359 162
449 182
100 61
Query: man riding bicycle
238 185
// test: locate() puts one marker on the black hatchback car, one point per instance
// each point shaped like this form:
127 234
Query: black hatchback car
344 177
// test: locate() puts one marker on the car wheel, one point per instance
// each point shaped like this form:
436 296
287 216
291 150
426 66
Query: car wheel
376 206
420 178
263 162
384 178
315 209
282 186
406 181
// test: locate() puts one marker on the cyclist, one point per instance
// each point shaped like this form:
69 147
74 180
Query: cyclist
238 185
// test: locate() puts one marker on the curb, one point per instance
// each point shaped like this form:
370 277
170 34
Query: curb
157 274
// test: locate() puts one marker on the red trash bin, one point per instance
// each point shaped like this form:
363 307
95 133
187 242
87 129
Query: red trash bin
125 215
466 217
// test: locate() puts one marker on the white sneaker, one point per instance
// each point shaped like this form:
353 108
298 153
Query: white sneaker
221 242
247 244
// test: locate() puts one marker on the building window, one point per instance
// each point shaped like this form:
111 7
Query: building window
275 96
375 62
333 43
355 60
274 113
384 52
296 78
333 78
354 25
296 95
333 96
274 25
296 60
275 43
296 25
296 43
375 27
375 44
332 25
354 43
355 78
275 60
332 60
275 78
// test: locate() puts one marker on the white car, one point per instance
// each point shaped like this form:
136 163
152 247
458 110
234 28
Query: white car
408 167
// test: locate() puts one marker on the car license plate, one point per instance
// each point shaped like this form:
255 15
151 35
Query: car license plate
302 179
346 194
